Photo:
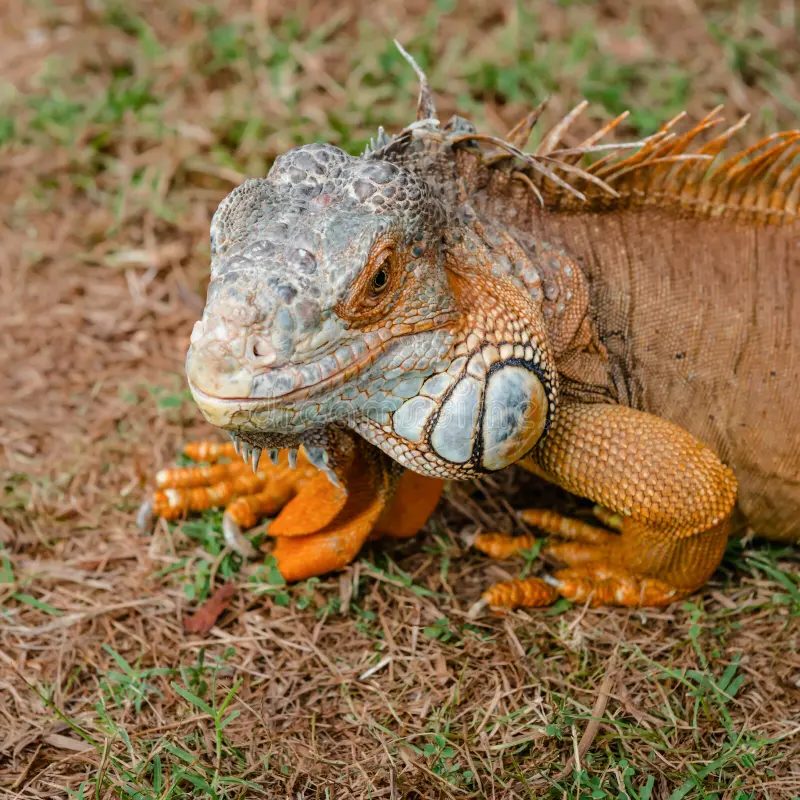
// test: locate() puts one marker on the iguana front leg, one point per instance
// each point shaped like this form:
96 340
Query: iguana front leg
320 525
673 494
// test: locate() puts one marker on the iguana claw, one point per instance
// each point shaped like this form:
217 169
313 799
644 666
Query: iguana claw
145 518
235 539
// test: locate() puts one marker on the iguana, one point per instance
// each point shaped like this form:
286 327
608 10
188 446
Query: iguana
446 305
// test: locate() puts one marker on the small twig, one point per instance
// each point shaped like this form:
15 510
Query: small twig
168 727
594 722
372 670
24 774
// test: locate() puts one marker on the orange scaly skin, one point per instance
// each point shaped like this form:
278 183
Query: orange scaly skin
625 330
502 545
318 527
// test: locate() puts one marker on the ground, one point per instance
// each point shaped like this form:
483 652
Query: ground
122 125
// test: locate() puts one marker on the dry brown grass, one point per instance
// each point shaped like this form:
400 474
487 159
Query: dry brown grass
123 127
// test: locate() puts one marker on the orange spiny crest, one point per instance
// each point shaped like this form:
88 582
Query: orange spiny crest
521 132
760 184
556 134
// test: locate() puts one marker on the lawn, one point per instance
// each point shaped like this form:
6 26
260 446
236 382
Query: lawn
122 126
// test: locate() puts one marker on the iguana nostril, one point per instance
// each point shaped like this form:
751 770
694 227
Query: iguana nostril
261 352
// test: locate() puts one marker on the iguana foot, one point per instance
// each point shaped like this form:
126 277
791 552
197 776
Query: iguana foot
323 517
247 496
602 568
584 542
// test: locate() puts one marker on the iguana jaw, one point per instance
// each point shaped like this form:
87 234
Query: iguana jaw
495 397
232 412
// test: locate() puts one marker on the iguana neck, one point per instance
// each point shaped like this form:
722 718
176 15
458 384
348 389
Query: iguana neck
543 265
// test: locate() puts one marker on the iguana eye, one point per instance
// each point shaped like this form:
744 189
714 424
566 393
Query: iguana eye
373 288
380 280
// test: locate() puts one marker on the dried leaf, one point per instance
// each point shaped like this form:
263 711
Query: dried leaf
204 619
66 743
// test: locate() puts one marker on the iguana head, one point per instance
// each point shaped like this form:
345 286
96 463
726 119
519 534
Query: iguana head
344 290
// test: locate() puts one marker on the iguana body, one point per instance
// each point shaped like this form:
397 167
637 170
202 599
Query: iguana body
626 331
692 289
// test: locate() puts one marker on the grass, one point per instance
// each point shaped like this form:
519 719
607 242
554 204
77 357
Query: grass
122 125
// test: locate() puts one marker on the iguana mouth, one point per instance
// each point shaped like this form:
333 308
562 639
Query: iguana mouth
323 385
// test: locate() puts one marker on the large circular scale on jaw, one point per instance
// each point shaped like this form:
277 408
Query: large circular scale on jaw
514 417
453 436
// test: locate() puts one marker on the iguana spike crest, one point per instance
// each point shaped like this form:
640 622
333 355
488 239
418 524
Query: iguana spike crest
761 183
551 141
521 132
426 108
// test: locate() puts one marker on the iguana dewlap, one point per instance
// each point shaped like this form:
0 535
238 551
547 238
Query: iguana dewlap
630 331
